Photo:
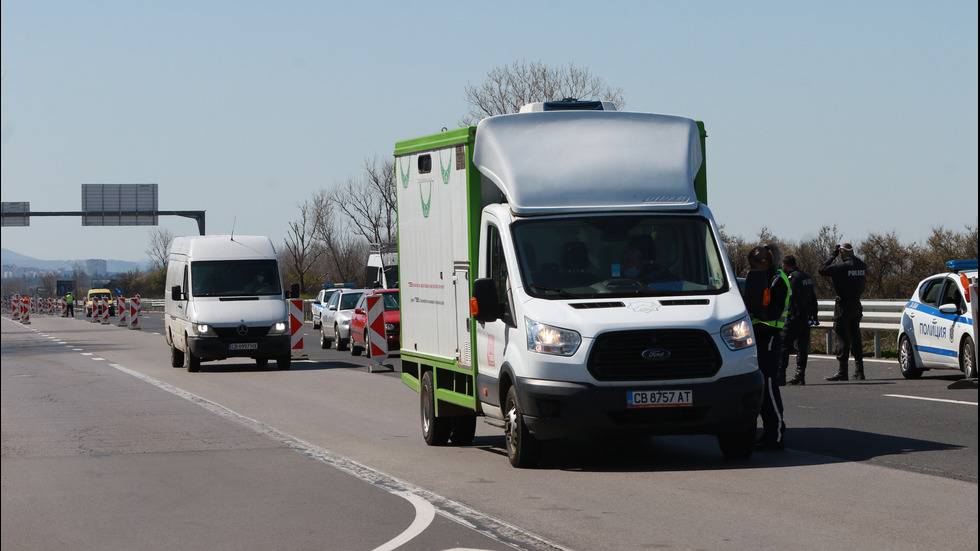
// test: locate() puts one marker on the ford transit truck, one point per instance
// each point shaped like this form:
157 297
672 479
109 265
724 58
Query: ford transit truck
562 276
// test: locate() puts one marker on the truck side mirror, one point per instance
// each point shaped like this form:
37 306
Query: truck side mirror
485 306
755 288
176 293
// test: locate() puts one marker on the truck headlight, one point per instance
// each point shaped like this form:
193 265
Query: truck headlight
738 335
278 328
546 339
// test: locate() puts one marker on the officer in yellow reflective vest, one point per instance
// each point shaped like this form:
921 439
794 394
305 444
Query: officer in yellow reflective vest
767 324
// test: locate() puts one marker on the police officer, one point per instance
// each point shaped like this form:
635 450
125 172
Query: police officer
767 325
70 303
802 313
848 273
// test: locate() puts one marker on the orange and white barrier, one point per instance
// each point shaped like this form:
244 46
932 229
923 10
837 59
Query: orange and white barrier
134 313
121 308
25 313
378 341
64 308
105 311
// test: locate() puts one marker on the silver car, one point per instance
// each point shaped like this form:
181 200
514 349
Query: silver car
335 319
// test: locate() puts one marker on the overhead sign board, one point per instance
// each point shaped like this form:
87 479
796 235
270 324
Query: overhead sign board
17 214
119 204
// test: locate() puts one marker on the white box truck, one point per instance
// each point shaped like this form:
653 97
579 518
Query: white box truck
562 276
225 299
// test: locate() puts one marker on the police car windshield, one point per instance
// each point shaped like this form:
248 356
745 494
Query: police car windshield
234 278
618 255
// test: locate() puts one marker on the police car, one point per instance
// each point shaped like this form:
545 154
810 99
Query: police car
938 330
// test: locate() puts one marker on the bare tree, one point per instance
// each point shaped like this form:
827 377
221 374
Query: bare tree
507 88
344 251
369 204
159 247
302 249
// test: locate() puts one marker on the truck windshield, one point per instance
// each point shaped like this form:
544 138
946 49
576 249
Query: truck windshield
618 255
234 278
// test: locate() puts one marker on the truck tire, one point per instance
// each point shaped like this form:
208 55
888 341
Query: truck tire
192 362
906 359
738 444
463 430
435 430
523 449
176 356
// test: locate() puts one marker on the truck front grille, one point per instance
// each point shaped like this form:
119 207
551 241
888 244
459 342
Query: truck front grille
654 355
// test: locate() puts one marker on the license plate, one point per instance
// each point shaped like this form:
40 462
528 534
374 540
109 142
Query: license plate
659 398
243 346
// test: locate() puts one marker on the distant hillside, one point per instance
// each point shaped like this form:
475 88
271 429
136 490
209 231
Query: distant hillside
8 257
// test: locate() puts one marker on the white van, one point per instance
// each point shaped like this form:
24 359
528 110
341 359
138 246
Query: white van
225 299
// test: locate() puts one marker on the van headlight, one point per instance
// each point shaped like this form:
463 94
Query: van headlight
546 339
203 330
279 328
738 335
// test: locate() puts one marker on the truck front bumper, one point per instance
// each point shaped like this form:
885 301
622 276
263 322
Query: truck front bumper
554 409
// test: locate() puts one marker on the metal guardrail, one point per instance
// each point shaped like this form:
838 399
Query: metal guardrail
879 316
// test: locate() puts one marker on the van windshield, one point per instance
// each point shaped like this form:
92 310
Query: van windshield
619 255
234 278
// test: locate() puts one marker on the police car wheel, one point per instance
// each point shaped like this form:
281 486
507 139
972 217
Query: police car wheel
968 358
906 359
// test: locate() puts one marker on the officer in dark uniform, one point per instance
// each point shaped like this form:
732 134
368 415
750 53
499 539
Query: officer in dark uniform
767 325
802 314
848 274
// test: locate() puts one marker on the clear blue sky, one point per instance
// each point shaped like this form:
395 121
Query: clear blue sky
860 114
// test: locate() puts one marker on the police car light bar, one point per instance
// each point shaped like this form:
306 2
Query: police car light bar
961 265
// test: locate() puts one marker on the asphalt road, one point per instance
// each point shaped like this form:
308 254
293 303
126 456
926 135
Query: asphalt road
105 445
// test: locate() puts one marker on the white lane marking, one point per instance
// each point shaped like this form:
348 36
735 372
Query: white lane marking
965 403
424 514
493 528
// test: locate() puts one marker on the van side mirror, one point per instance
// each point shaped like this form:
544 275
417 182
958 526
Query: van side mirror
293 290
485 305
176 293
755 289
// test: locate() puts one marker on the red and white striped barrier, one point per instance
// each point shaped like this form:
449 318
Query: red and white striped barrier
64 308
296 326
105 311
25 313
378 341
134 313
121 308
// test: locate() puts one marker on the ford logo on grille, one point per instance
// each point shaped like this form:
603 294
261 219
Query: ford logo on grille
243 330
654 354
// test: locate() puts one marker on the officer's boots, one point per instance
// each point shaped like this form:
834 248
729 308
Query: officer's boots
841 374
798 378
858 371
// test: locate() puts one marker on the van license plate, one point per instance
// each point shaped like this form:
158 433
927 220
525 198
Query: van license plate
659 398
243 346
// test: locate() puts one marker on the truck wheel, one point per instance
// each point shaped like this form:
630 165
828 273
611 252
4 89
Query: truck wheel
968 358
523 449
192 362
737 445
176 356
324 341
463 430
341 343
283 363
906 359
435 430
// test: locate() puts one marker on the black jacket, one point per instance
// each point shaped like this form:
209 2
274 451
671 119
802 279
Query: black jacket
848 277
802 298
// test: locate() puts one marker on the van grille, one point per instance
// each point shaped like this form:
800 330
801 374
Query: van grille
654 355
231 334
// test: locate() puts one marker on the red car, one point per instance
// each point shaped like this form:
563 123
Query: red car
358 322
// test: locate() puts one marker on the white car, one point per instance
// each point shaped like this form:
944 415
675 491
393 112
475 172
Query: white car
938 330
319 304
335 319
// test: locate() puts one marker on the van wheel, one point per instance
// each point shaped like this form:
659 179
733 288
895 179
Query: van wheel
463 430
435 430
284 363
968 358
262 363
906 359
192 362
176 356
523 449
324 341
341 343
737 445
